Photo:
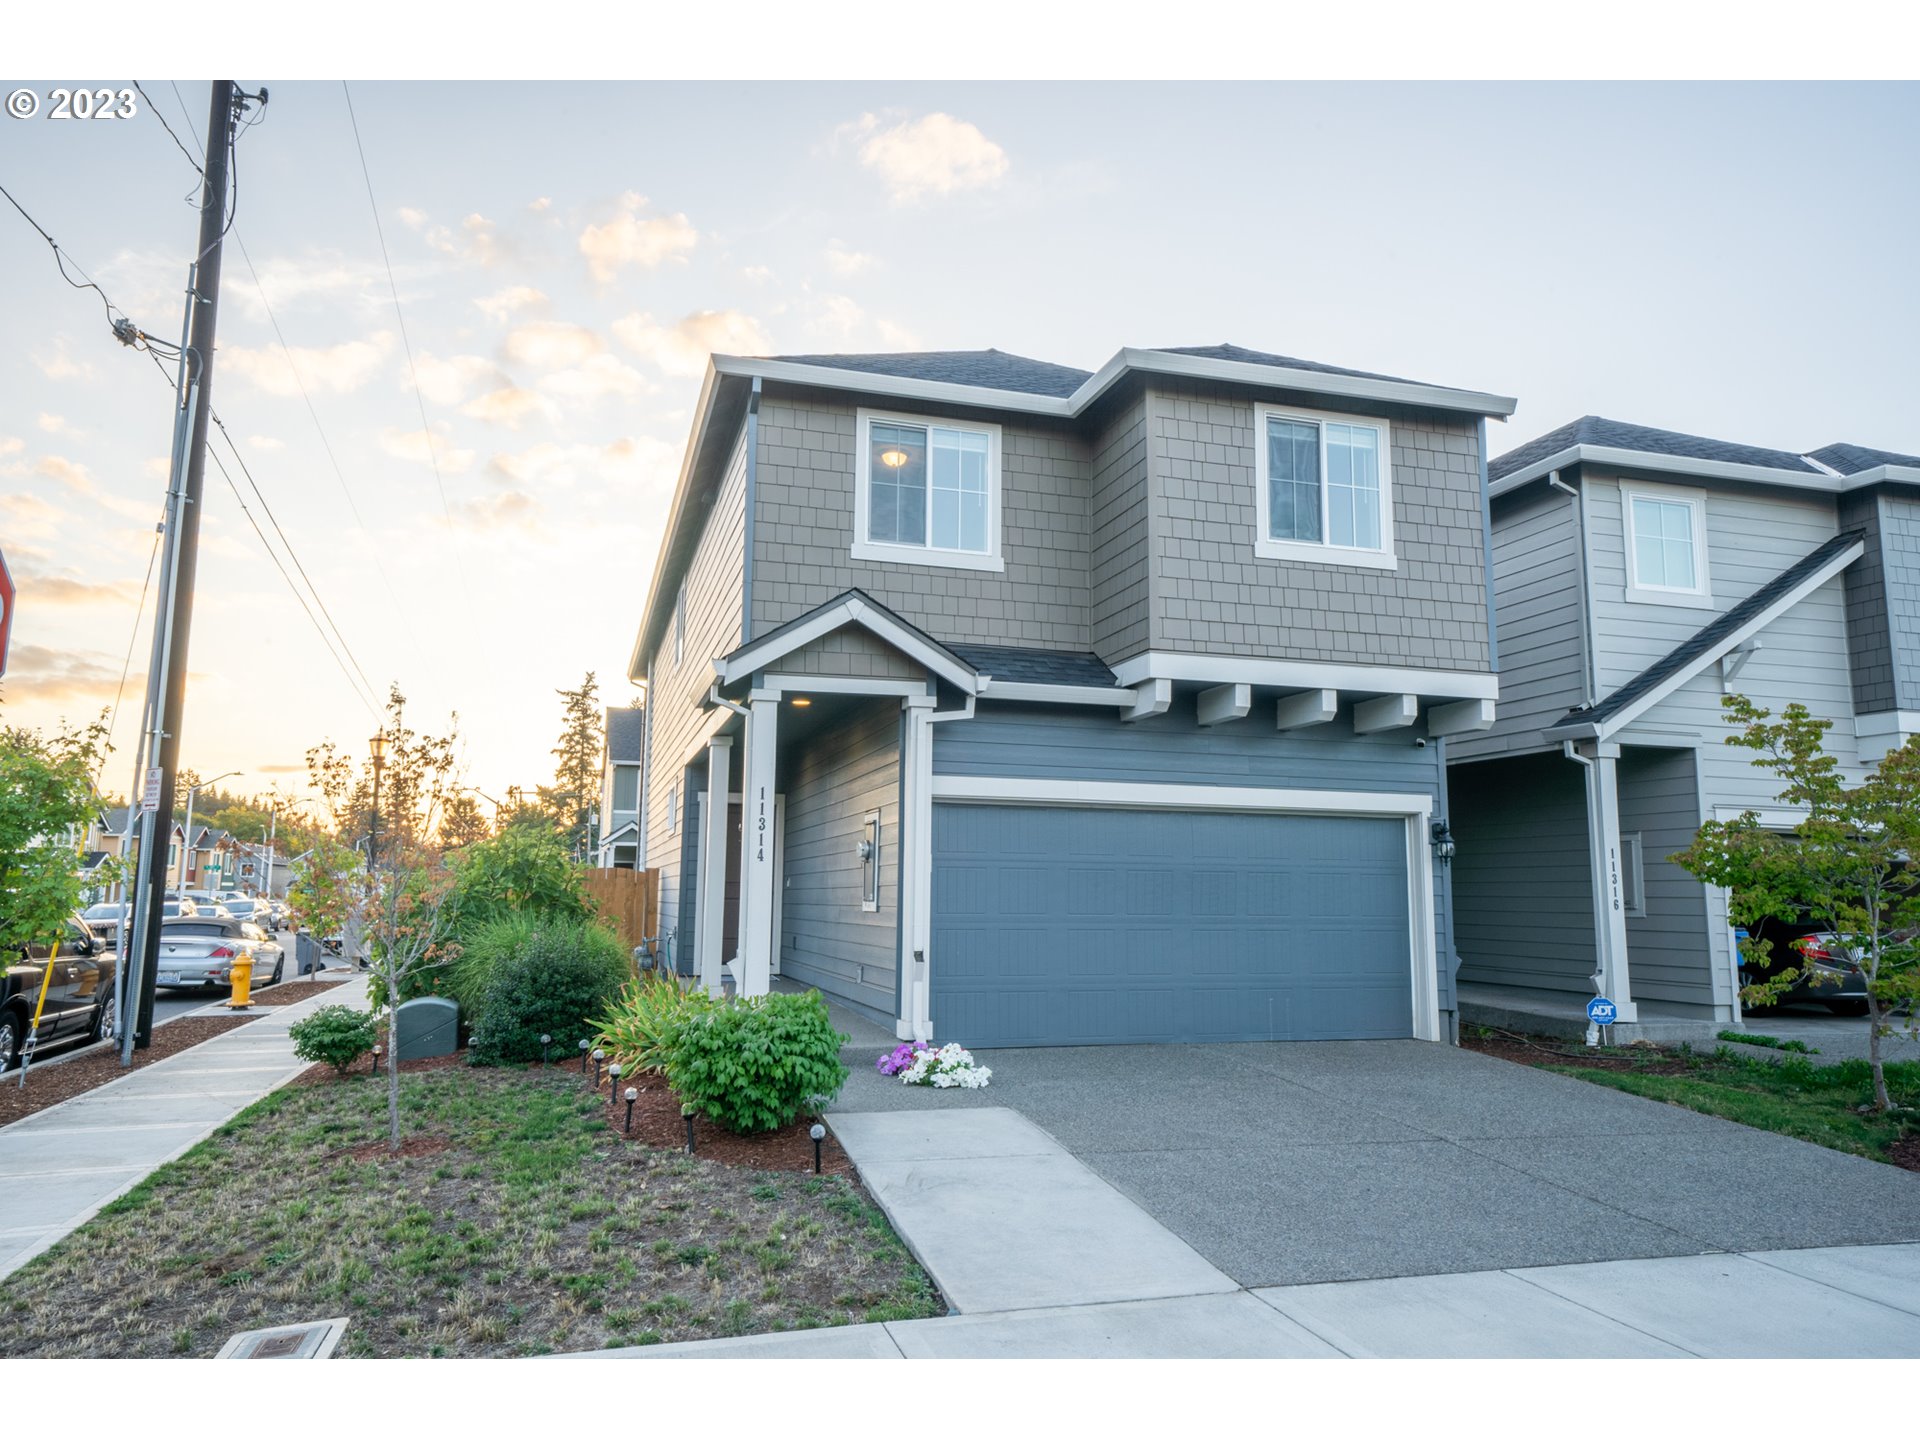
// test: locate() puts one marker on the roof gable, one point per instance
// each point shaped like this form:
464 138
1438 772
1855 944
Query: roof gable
987 369
1597 430
1852 459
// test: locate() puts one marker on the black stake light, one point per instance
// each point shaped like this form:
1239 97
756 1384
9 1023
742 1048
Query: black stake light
818 1133
687 1112
613 1080
585 1045
632 1095
546 1043
598 1056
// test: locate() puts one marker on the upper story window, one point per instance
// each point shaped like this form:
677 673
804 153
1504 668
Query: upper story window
1324 488
626 787
927 492
1666 545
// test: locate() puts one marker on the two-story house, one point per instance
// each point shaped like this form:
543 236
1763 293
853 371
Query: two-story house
621 844
1639 576
1070 708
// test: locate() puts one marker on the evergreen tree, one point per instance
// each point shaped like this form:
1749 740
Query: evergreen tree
576 778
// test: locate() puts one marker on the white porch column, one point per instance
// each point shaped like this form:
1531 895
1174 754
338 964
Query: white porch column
712 923
1609 891
916 872
757 880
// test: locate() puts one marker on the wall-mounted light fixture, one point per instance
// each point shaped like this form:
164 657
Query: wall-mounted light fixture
1442 841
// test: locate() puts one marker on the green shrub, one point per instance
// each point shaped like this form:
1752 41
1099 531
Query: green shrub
524 871
565 974
333 1035
484 950
753 1065
638 1030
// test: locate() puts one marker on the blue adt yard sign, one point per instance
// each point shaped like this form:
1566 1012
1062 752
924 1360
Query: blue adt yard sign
1601 1011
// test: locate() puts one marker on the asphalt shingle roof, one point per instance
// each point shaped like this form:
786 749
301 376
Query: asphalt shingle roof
1852 459
1019 665
626 733
1284 362
1704 640
987 369
1617 435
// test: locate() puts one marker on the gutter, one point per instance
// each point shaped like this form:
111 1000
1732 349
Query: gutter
1705 469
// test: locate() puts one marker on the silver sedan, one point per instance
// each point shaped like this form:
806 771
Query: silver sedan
200 950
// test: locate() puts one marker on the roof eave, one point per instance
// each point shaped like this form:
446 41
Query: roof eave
1698 468
702 423
901 387
1281 377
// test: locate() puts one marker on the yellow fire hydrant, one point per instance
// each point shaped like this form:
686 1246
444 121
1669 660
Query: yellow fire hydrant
241 974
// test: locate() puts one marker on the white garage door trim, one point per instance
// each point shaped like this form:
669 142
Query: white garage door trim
1415 810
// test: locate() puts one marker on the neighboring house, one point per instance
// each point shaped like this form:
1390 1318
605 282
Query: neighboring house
257 866
1070 708
622 846
1640 576
212 861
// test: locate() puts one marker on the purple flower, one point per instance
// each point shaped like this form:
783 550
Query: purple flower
899 1058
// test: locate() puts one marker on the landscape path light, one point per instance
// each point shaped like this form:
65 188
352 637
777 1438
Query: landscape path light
546 1042
585 1045
686 1112
598 1056
632 1095
818 1133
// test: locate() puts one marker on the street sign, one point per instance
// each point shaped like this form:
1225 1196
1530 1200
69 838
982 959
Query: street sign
1601 1011
6 612
150 798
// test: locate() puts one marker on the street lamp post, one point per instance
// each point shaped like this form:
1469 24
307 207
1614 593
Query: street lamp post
377 747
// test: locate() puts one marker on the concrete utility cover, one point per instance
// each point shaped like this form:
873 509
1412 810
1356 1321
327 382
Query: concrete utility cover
428 1026
313 1340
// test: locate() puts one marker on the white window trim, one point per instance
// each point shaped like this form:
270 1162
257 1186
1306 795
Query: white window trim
1633 865
1700 596
1315 552
893 554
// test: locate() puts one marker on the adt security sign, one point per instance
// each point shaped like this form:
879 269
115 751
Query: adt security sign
1601 1011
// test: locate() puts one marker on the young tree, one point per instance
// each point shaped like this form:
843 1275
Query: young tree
462 823
576 778
1848 864
46 799
409 919
417 769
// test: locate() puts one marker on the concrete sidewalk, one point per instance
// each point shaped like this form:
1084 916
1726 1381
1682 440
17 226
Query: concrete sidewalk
58 1167
1042 1258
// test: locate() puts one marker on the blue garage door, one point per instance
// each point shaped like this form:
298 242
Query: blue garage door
1063 926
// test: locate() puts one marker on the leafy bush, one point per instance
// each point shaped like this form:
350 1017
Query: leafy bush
753 1065
333 1035
565 974
641 1026
524 871
481 954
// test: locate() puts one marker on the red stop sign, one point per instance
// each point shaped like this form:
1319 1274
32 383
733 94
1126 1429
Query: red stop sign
6 612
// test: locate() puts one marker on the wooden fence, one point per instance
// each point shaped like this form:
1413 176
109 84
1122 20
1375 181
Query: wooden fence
629 900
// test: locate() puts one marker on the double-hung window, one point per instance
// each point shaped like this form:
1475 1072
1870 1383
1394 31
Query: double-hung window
927 492
1324 488
1666 545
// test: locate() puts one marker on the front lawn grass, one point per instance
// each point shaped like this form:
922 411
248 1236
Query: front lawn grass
530 1228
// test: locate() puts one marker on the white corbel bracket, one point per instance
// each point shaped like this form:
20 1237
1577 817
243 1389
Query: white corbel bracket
1309 707
1223 703
1150 698
1388 712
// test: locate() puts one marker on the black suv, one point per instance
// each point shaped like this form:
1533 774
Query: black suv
79 992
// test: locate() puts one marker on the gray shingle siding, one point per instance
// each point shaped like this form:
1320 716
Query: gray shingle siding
850 651
1900 532
1122 545
1212 593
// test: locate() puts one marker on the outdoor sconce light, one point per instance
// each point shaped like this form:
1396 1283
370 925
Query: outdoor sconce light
686 1113
546 1042
632 1095
817 1133
1442 841
585 1045
865 849
598 1056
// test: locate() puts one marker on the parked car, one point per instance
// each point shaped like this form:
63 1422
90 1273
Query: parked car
254 912
201 949
79 993
106 920
1830 972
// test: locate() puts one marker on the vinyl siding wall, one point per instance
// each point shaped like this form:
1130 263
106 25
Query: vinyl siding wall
1537 582
676 719
1668 954
1869 636
1522 877
831 785
1062 742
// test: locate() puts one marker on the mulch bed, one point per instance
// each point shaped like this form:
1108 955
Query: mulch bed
1548 1051
383 1149
291 992
657 1121
49 1083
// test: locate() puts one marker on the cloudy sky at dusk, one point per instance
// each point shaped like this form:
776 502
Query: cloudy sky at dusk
1731 260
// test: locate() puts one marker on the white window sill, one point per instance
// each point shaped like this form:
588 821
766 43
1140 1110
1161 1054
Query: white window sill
1691 599
922 555
1305 552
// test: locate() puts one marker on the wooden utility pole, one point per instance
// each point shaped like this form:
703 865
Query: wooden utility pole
167 696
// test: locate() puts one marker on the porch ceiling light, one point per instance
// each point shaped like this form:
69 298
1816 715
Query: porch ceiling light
801 702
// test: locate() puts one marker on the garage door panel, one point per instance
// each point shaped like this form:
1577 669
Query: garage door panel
1081 926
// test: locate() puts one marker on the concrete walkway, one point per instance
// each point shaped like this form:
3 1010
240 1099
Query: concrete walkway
1043 1259
58 1167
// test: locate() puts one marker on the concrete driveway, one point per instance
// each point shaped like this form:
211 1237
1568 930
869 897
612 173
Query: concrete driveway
1288 1164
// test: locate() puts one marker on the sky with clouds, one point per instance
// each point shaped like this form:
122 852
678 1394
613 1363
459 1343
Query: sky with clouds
1730 260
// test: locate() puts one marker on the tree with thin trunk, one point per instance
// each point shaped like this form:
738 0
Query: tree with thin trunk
409 919
1848 865
576 778
462 823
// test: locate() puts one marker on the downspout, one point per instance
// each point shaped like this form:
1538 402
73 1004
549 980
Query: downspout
920 1021
1486 543
1589 690
1567 748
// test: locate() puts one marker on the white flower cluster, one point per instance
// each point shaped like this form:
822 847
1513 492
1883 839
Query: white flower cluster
948 1068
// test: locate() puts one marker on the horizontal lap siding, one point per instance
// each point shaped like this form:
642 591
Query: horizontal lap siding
1668 950
1065 743
1522 880
831 785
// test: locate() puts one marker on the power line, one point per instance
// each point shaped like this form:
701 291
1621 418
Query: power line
62 259
126 665
433 453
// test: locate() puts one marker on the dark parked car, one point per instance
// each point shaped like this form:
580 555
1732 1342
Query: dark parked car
79 993
1830 974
